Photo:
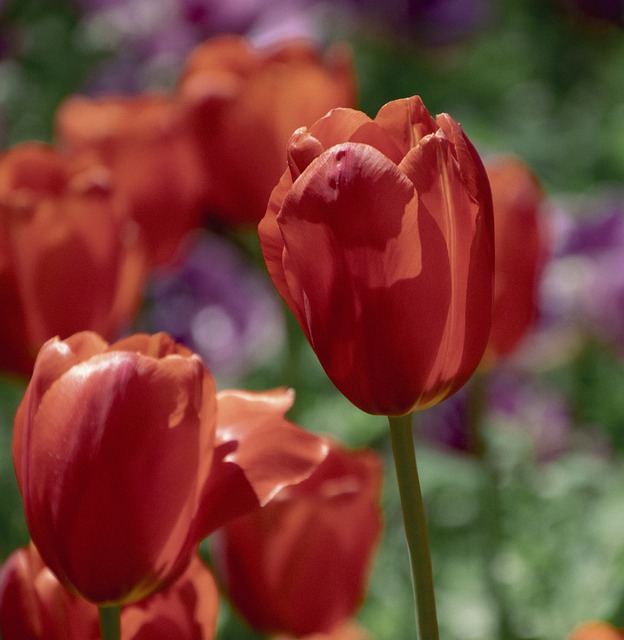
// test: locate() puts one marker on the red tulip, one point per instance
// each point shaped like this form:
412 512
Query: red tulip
595 631
35 606
347 631
69 258
379 237
299 565
120 461
148 144
247 102
517 198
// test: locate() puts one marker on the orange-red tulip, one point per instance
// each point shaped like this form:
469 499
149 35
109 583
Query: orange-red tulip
379 237
247 102
147 143
124 464
517 198
346 631
300 564
69 258
35 606
596 631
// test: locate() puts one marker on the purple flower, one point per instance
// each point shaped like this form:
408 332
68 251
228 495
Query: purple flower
218 305
583 284
512 402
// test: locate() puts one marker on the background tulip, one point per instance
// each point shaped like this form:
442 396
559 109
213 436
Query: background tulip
247 102
299 565
34 605
379 237
147 143
347 631
520 247
595 631
69 258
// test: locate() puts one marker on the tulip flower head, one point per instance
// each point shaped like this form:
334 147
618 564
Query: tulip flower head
517 197
124 467
300 564
34 605
596 631
147 143
70 259
247 102
379 236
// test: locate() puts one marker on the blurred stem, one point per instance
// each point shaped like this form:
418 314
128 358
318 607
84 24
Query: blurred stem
110 622
415 524
490 503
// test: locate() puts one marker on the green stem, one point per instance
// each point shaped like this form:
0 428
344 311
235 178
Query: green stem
490 502
415 524
110 622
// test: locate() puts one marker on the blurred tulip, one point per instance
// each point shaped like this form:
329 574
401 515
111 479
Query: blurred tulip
247 102
520 248
380 239
35 606
147 143
595 631
300 564
69 258
123 469
347 631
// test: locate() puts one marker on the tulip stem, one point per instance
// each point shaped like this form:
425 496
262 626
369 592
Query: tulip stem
110 622
415 524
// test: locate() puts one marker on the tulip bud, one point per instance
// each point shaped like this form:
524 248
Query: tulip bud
380 238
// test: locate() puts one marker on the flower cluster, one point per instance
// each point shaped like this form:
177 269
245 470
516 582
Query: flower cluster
136 254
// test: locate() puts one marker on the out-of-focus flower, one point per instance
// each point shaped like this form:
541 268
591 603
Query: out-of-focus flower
216 304
520 248
596 631
346 631
70 259
146 42
34 605
426 22
299 565
511 402
147 143
187 609
582 292
247 101
380 238
126 460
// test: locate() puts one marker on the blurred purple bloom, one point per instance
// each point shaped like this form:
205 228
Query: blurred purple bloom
512 402
219 306
583 284
148 40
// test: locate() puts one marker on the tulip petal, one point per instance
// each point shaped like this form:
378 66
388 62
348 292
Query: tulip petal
186 610
338 125
433 168
258 453
55 358
406 122
359 252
